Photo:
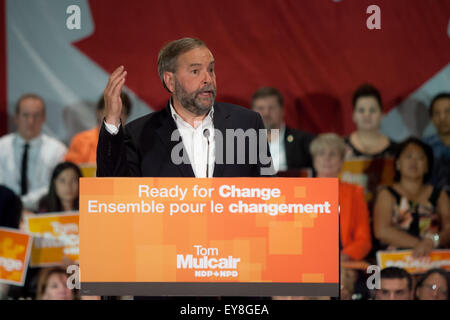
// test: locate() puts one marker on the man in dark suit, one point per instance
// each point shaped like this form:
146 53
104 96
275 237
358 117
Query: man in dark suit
289 147
194 136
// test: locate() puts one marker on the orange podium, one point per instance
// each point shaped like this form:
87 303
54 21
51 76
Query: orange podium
209 237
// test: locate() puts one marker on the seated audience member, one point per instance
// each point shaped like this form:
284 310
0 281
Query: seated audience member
367 141
412 214
289 149
328 152
62 196
28 156
31 287
433 285
63 190
440 142
52 285
369 152
83 147
10 208
395 284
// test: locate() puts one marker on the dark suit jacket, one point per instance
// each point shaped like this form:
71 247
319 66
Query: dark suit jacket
143 147
296 144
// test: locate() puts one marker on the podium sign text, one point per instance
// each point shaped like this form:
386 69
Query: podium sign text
209 237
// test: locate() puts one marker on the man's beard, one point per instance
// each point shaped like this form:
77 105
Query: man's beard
191 102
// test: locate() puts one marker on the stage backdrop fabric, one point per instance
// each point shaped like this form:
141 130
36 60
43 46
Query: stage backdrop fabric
315 52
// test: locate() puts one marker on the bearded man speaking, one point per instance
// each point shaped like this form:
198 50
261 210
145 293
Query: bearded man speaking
194 136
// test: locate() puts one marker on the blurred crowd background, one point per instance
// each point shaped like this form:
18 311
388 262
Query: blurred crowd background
370 107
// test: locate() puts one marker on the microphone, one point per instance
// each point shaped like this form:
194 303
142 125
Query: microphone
206 135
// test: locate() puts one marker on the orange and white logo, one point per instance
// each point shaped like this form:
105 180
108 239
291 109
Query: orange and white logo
14 256
206 262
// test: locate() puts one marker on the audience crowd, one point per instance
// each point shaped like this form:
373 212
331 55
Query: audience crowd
39 174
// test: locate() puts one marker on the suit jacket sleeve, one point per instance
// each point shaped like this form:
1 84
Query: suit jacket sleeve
117 155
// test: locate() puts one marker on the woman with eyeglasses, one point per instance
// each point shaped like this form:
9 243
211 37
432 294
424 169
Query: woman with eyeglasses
433 285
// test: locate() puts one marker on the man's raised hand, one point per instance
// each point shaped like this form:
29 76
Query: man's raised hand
113 103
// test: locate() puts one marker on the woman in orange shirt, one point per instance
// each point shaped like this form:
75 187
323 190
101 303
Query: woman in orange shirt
328 151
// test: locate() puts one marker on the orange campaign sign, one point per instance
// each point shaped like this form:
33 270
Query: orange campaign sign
404 259
14 255
221 236
55 237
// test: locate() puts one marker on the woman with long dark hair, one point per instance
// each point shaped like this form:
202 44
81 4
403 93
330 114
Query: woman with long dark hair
412 214
63 191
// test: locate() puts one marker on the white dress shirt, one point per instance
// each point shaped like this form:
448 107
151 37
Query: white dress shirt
278 150
44 154
194 141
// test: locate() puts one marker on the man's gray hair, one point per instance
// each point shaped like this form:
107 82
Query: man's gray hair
168 55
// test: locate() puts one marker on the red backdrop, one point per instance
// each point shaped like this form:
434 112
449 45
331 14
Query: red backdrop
316 51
